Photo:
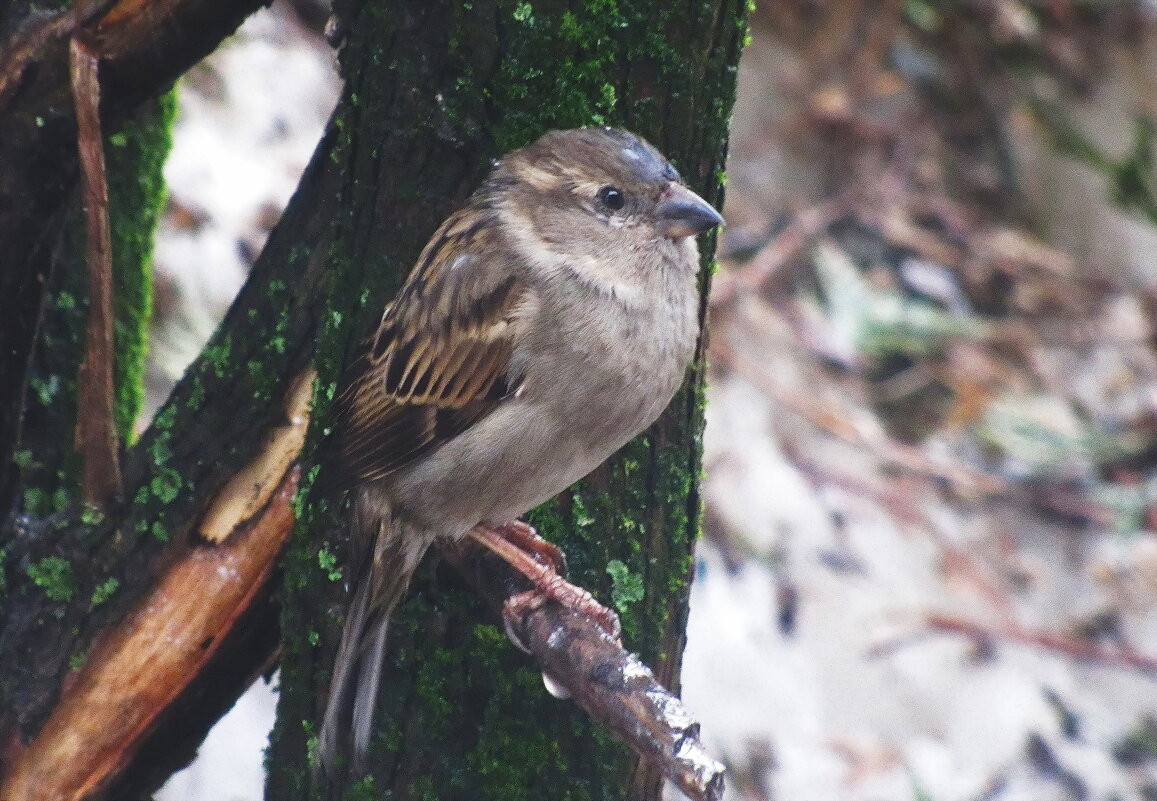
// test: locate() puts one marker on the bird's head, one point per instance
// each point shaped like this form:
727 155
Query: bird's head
601 193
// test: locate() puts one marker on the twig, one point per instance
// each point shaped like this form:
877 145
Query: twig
1049 640
964 479
730 285
611 685
1116 656
906 503
615 688
96 435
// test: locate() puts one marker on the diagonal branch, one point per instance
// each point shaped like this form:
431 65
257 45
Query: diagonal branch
143 672
615 688
580 660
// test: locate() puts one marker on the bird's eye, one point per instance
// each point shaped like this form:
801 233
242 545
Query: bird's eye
611 197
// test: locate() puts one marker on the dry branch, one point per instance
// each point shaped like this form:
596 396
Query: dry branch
138 670
963 478
1061 643
39 162
610 684
987 634
615 688
140 667
804 226
96 435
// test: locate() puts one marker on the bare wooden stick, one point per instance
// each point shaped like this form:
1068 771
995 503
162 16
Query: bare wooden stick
611 685
615 688
96 435
138 669
1086 650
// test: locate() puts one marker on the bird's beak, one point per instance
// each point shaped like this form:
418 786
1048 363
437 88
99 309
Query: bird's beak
682 213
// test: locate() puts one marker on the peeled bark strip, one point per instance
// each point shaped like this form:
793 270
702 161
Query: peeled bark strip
134 673
251 488
96 435
39 161
137 671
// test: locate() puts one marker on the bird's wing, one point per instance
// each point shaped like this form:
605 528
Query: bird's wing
439 361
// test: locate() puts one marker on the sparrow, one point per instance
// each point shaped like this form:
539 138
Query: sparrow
544 325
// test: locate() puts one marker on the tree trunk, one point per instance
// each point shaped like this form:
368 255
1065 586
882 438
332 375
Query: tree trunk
464 714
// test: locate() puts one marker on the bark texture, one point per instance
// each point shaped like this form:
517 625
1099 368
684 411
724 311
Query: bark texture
434 92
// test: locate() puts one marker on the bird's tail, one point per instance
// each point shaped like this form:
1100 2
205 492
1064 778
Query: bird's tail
388 554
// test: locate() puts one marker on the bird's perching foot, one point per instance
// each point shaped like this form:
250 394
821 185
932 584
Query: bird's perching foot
519 545
523 535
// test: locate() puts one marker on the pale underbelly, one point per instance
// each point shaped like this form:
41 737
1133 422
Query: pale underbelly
511 461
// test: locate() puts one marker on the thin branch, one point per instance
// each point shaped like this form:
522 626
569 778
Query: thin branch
804 226
1067 645
96 435
1120 656
39 162
614 687
140 669
964 479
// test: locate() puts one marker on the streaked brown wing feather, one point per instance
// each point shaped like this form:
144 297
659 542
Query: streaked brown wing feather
438 361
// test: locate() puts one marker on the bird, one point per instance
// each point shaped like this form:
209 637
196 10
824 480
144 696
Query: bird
545 324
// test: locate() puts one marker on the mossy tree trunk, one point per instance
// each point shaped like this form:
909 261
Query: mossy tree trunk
435 91
143 48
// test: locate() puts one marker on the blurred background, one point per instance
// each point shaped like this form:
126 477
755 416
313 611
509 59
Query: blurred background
930 562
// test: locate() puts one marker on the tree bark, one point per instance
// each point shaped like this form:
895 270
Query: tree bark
464 714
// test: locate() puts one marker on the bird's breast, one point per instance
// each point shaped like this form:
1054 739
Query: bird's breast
613 360
592 372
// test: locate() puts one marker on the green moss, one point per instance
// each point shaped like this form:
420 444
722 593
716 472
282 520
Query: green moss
166 485
61 499
135 159
626 587
329 564
158 530
35 502
103 591
363 790
217 353
46 389
55 576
